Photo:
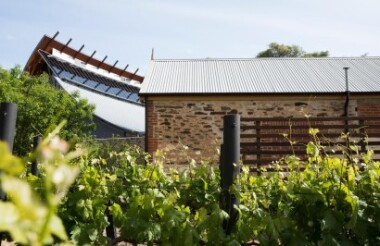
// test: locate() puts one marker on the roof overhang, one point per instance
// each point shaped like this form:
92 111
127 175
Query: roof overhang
36 65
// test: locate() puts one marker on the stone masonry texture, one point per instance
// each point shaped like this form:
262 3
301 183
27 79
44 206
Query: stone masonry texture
191 127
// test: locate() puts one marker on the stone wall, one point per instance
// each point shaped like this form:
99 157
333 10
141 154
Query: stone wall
368 106
191 127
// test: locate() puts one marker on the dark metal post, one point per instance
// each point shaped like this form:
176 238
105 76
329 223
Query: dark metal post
229 168
258 142
8 115
346 104
346 121
110 230
34 167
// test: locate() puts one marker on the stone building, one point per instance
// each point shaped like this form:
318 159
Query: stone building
186 99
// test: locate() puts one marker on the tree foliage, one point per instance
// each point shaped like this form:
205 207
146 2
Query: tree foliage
41 107
282 50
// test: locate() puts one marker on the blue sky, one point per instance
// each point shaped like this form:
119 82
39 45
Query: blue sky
127 30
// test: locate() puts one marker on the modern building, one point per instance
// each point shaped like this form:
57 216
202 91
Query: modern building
113 91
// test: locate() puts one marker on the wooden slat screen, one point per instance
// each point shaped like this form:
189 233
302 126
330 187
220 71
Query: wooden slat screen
264 140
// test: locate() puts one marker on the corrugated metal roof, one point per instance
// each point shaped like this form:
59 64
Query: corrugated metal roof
262 75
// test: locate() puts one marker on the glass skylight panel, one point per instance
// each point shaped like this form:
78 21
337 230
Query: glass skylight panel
123 94
91 83
79 79
102 87
56 69
133 97
113 90
65 75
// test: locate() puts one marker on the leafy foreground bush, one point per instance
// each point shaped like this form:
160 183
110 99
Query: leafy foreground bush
332 201
324 200
28 216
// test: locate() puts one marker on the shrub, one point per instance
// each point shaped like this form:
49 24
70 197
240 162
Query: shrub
323 200
30 217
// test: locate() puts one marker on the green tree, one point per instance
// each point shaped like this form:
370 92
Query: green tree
41 107
282 50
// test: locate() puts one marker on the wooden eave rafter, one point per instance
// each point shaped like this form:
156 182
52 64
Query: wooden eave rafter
36 65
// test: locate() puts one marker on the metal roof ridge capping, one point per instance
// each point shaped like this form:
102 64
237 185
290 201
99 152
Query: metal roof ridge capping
261 75
264 58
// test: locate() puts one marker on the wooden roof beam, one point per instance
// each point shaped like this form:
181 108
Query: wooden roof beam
65 46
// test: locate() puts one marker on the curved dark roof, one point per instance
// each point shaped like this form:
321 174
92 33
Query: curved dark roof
89 80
